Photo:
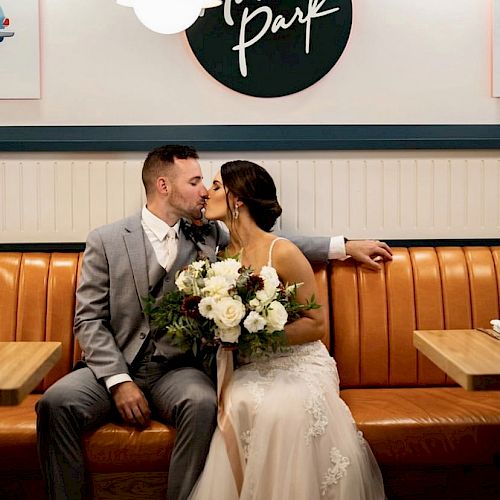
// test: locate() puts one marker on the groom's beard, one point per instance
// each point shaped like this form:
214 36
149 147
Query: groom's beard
188 209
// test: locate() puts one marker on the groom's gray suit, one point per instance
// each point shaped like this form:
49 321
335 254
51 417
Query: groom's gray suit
119 270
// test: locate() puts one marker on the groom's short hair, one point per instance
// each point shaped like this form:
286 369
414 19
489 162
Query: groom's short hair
160 159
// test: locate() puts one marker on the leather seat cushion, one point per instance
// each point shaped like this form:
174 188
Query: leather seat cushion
124 448
18 436
438 426
110 448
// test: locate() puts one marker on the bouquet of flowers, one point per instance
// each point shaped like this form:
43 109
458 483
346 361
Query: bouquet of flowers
225 303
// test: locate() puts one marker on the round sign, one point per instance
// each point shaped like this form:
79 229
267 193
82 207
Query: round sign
271 48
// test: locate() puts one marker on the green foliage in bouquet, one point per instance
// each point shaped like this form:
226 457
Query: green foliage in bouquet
225 303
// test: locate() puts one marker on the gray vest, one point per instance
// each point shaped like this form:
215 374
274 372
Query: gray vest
161 281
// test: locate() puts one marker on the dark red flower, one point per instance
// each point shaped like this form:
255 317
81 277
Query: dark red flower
255 283
189 306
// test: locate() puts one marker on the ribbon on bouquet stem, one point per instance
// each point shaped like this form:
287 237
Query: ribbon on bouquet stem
225 370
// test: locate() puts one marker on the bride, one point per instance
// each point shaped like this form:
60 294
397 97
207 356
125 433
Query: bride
286 434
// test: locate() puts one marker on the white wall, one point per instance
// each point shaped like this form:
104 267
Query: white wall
386 195
407 61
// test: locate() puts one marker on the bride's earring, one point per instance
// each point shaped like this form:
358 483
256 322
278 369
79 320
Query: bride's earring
236 212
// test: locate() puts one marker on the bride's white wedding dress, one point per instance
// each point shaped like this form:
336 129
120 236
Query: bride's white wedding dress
295 437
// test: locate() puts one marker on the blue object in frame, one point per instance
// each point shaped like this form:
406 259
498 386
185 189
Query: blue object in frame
4 24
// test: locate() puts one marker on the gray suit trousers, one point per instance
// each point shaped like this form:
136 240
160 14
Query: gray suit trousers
183 396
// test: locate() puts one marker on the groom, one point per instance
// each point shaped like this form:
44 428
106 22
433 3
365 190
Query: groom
122 369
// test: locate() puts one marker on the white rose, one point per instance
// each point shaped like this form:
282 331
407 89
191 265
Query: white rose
254 322
270 277
228 312
228 268
198 266
256 305
271 284
266 295
206 307
184 282
229 335
276 316
216 286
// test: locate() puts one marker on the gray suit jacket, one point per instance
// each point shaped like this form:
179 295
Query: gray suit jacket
119 271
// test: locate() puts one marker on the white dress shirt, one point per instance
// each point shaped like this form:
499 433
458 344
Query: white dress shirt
157 231
337 248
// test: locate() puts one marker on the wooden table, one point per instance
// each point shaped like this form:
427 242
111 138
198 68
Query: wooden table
22 366
470 357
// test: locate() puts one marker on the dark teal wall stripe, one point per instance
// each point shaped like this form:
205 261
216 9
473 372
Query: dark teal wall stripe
249 137
42 247
473 242
79 247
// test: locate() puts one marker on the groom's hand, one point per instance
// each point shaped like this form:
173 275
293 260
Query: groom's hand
131 404
368 252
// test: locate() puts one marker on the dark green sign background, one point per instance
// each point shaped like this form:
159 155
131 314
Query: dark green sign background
277 63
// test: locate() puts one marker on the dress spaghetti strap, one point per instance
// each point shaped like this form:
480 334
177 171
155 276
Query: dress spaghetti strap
269 258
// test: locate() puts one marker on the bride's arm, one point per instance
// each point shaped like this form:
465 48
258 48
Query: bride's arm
293 267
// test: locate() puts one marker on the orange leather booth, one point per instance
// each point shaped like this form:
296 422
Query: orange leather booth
432 438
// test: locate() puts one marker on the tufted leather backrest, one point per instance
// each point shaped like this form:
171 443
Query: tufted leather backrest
374 314
321 273
37 302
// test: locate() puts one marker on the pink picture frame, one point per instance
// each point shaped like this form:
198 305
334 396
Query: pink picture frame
20 49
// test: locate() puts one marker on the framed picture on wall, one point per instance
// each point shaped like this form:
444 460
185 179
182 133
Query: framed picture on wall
19 49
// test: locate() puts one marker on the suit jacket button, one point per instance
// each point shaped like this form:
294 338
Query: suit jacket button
142 335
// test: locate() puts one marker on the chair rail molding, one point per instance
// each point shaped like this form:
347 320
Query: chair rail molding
249 137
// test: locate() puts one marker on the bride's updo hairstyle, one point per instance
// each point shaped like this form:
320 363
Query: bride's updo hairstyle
253 185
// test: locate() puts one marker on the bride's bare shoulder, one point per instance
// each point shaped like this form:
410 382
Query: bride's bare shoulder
283 243
286 251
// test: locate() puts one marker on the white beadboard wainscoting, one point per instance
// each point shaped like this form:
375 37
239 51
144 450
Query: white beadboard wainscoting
59 197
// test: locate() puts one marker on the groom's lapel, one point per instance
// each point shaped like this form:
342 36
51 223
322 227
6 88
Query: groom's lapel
133 237
155 271
147 273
